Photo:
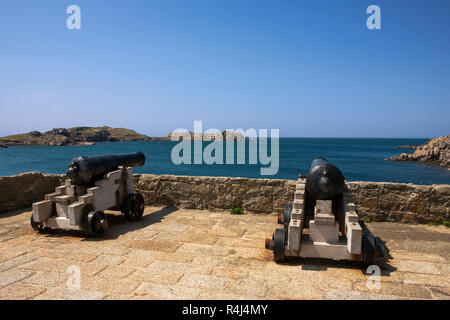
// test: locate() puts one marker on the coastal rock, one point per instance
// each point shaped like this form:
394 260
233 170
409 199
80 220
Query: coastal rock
435 151
219 136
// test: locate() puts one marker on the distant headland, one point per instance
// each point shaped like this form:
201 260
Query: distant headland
73 136
92 135
435 151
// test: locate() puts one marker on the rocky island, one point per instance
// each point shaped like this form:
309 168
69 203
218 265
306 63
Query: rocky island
435 151
73 136
91 135
219 136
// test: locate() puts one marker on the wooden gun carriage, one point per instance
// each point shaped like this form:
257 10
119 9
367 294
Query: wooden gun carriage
95 184
322 222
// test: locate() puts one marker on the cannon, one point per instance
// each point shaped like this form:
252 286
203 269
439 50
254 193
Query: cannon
324 180
322 221
94 184
84 170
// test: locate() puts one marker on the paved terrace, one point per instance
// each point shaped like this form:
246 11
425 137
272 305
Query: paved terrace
192 254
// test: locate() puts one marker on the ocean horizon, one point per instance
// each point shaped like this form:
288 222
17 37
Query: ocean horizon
360 159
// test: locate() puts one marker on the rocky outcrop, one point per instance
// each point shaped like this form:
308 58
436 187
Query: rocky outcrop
22 190
74 136
435 150
219 136
378 201
90 135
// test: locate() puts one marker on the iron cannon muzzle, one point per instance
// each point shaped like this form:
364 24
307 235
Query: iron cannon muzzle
84 170
324 180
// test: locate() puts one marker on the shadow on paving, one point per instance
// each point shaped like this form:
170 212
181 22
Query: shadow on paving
117 225
318 264
14 213
401 231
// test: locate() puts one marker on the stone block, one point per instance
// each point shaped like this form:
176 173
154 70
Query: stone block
300 186
42 210
326 251
294 235
354 237
61 189
351 216
324 218
297 214
299 204
62 210
52 196
299 195
323 206
349 206
75 190
324 232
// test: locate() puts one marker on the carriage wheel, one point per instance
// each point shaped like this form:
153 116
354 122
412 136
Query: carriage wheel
379 249
95 223
279 243
134 206
37 226
369 249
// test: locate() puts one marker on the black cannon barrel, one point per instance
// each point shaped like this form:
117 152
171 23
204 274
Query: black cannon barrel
324 181
84 170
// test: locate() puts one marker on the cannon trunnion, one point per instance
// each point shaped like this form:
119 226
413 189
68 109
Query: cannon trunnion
95 184
322 221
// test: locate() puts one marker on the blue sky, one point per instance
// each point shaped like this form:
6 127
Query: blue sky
308 68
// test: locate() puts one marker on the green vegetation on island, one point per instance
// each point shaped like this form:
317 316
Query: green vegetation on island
74 136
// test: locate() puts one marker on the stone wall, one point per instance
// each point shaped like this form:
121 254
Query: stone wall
22 190
383 201
379 201
216 193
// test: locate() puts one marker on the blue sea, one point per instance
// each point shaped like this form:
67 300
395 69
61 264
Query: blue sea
359 159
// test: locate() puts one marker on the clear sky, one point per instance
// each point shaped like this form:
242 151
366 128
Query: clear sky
308 68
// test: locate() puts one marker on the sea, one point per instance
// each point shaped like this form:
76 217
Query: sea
359 159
